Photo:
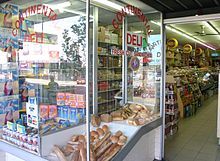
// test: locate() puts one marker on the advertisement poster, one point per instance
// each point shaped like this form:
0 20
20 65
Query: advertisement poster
8 109
32 112
155 47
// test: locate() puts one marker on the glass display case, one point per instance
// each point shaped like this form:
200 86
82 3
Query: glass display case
79 83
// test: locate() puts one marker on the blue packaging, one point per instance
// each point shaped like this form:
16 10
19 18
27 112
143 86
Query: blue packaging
72 114
80 113
65 112
59 111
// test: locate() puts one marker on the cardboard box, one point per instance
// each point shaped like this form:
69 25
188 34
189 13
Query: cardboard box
59 111
114 38
72 114
70 98
65 110
61 97
80 98
52 111
81 105
44 111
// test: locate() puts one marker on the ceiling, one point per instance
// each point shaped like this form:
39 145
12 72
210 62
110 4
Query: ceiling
182 8
191 28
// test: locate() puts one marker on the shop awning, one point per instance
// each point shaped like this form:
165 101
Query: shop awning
182 8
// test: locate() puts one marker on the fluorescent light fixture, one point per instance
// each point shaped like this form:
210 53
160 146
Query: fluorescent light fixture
59 5
109 4
184 35
112 5
76 12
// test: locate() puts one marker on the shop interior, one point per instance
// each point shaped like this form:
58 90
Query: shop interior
192 69
44 83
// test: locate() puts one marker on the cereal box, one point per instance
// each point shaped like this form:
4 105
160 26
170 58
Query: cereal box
44 112
52 111
61 97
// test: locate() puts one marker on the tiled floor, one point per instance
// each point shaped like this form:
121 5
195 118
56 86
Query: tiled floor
196 139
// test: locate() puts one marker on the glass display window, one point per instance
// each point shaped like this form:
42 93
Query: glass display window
78 82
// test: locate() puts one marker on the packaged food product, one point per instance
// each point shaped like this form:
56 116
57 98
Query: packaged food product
52 111
61 97
44 112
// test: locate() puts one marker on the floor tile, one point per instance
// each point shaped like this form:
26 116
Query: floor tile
206 157
196 139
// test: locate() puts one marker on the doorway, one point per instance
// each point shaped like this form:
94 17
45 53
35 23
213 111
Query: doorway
192 63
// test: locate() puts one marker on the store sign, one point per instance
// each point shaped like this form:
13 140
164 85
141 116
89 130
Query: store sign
155 47
118 20
129 53
134 40
33 10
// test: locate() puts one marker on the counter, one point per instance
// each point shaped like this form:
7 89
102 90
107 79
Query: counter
139 138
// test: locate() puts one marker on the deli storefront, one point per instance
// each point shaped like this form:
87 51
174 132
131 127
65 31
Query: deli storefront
81 80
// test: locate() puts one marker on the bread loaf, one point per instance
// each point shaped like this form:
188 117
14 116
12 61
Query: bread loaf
118 118
75 155
100 131
95 120
106 118
59 153
100 142
83 154
105 128
118 133
112 153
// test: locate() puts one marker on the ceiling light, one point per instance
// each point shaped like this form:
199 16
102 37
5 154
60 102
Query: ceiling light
184 35
59 5
112 5
109 4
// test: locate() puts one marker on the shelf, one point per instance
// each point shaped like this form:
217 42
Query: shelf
108 43
11 97
109 55
105 80
109 68
108 101
110 90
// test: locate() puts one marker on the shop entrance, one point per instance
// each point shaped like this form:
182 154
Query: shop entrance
192 69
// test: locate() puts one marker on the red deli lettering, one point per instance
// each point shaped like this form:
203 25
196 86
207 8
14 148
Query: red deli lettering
133 39
130 9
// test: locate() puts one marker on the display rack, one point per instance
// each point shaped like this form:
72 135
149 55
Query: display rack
171 107
109 75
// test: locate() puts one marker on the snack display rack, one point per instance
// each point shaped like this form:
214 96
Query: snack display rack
171 107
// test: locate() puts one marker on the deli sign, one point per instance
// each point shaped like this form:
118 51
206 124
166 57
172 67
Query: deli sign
134 40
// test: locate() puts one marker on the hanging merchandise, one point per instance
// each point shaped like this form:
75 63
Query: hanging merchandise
187 48
198 51
172 43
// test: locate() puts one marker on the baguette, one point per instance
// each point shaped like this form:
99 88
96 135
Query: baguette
75 155
74 138
68 149
103 149
112 153
100 142
83 154
107 152
59 153
92 154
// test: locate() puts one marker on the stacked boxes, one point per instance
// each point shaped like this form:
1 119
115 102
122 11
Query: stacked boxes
71 106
